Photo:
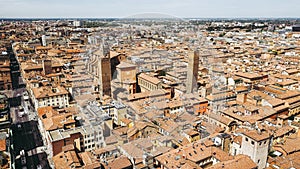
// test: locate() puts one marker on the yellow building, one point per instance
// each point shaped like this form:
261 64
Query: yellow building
148 83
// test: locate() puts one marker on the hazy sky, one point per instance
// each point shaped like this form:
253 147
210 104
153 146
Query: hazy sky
124 8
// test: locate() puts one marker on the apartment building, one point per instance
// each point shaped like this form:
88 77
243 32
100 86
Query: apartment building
50 96
253 143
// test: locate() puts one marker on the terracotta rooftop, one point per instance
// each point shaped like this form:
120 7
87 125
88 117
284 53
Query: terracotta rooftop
239 161
118 163
283 131
291 161
149 78
2 145
126 65
89 160
248 75
53 120
290 145
47 91
66 160
238 139
287 82
289 94
194 152
255 135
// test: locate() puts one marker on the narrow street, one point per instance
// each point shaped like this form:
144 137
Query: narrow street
26 145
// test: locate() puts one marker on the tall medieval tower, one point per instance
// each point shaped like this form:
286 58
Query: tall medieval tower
192 72
104 71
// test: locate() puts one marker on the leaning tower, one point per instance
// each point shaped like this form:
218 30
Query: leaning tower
192 72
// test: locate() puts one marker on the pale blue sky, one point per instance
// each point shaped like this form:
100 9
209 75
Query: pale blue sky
123 8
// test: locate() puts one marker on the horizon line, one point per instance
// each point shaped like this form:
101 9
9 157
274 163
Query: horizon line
226 17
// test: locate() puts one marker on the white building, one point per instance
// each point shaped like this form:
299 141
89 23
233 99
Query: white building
120 111
253 143
76 23
92 137
50 96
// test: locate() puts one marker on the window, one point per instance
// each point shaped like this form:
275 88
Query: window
252 142
246 139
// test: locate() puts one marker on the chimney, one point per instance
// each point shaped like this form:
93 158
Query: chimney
242 97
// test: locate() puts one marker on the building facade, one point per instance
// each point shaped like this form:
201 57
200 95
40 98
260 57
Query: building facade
50 96
127 76
100 67
255 144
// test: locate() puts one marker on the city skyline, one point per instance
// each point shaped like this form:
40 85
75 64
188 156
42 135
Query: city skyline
156 89
142 84
128 8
